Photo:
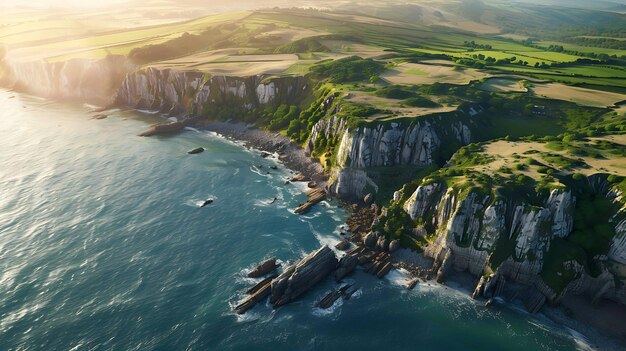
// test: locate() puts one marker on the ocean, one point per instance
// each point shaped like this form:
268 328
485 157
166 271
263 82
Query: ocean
103 246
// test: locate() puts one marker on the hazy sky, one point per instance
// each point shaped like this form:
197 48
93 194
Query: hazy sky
63 3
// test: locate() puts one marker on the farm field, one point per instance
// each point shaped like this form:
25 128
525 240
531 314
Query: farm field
508 154
394 107
503 85
578 95
88 45
422 73
292 41
235 61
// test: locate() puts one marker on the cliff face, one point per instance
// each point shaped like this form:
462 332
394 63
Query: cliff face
416 143
511 239
77 79
200 94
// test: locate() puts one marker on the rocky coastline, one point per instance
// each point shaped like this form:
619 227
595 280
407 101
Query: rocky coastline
292 155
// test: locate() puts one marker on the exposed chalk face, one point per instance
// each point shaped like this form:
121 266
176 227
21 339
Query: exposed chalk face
617 250
350 183
381 145
421 201
180 92
492 226
87 80
266 92
561 204
469 225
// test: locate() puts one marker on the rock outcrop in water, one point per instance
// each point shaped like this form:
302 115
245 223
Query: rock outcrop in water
265 267
164 128
260 294
302 276
313 196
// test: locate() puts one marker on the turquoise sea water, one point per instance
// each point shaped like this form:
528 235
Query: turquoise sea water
103 247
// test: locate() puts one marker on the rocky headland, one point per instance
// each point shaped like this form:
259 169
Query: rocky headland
500 239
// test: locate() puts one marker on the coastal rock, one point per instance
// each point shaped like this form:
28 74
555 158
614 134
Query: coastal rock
617 250
470 228
368 199
561 205
394 245
371 239
302 276
266 92
299 178
384 270
264 268
382 244
314 196
424 199
86 80
192 92
347 265
384 145
347 295
329 299
258 286
534 300
166 128
196 151
343 245
350 183
261 294
334 295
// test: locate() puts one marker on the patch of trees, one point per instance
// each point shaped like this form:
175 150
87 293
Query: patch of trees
302 46
218 37
410 97
470 63
420 101
169 50
417 57
215 37
349 69
472 44
562 49
608 43
299 128
394 92
281 117
556 48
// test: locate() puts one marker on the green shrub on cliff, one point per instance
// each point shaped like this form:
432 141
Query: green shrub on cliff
555 272
282 117
592 230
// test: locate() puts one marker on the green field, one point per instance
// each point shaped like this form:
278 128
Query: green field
294 41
